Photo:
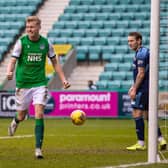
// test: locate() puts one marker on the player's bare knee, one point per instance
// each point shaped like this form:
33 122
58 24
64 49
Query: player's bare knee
39 115
22 115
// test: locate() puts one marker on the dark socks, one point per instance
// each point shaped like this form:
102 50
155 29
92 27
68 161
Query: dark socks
159 132
39 132
139 122
16 118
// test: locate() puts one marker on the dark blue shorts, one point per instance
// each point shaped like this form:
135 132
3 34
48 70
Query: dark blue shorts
141 101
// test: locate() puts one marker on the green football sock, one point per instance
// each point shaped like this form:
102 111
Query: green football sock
16 118
39 132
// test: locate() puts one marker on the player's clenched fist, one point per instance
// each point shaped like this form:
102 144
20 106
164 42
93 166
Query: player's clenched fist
10 75
66 84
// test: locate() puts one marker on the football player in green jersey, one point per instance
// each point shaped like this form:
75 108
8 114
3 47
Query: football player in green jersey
30 53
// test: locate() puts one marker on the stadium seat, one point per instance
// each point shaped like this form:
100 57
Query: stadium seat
76 2
9 33
58 40
82 53
114 85
107 8
106 56
2 50
145 32
86 41
89 16
70 9
94 9
108 49
107 75
119 75
126 84
128 58
83 25
118 58
99 2
144 7
79 33
87 2
77 17
164 85
5 41
15 17
95 53
118 33
101 85
66 33
91 32
82 9
129 75
124 41
111 24
102 16
59 25
122 8
113 2
100 40
122 49
71 24
161 86
54 33
140 2
142 16
163 65
163 75
135 8
128 16
74 41
114 41
123 23
104 32
96 24
125 67
125 2
137 24
111 67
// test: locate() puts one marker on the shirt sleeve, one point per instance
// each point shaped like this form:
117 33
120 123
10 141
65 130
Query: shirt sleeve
51 53
17 49
141 59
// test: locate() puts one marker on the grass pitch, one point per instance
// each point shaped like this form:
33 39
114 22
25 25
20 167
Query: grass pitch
97 143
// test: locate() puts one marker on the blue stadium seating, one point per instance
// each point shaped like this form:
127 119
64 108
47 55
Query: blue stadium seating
99 30
12 20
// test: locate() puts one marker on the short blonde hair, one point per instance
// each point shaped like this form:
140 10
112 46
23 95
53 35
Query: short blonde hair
33 19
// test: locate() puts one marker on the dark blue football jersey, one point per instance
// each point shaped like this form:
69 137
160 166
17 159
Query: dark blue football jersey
141 59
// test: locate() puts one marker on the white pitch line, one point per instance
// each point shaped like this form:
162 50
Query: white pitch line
31 135
128 165
134 164
20 136
16 137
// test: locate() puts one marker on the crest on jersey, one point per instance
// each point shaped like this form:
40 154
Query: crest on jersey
42 46
140 62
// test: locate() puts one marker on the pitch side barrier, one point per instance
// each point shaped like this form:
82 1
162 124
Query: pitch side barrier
96 104
102 104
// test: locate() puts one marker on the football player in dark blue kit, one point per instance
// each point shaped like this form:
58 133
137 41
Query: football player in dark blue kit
139 91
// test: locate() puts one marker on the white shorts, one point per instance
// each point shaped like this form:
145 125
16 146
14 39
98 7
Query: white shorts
36 95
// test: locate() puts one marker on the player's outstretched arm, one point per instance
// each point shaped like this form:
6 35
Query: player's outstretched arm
57 67
11 68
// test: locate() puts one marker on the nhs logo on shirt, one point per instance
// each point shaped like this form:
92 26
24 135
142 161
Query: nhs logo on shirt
34 57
